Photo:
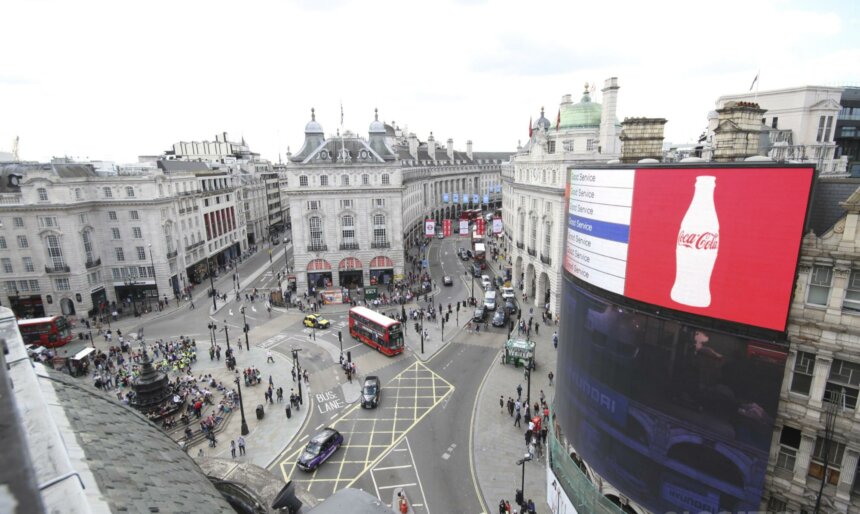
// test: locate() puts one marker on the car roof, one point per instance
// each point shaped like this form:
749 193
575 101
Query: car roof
325 434
371 378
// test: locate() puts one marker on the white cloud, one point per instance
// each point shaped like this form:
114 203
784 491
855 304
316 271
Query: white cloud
115 80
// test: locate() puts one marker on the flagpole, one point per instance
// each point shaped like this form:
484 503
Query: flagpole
341 132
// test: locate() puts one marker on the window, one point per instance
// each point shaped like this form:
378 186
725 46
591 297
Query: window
48 222
547 238
801 379
133 215
136 233
43 194
789 443
379 230
112 215
115 233
107 192
834 460
776 505
347 224
2 243
819 285
843 384
141 253
23 242
386 179
567 145
852 292
87 239
774 122
379 202
825 124
848 132
315 224
323 180
346 204
365 179
533 233
303 180
344 180
82 218
522 229
78 194
18 222
550 147
62 284
129 191
55 251
590 145
120 255
6 262
28 264
313 205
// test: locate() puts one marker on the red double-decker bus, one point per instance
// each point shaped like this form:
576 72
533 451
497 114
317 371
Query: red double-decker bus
470 214
376 330
50 332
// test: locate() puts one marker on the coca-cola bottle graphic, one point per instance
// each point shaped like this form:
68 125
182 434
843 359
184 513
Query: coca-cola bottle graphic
697 247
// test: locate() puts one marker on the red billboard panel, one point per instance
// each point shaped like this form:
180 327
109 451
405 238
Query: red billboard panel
446 228
480 225
717 242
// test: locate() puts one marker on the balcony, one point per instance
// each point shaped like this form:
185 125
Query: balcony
181 211
520 245
195 208
93 264
172 254
380 244
545 259
349 246
57 269
532 252
317 247
195 245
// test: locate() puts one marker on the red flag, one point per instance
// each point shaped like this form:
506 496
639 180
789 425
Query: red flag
558 120
530 127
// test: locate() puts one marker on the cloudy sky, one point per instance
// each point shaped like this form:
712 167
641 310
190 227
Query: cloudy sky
114 80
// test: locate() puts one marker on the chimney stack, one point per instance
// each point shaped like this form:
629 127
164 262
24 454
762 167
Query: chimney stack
431 147
641 138
738 131
608 134
450 147
469 149
413 145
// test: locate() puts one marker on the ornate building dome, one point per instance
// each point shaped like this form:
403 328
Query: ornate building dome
585 114
313 127
376 126
542 122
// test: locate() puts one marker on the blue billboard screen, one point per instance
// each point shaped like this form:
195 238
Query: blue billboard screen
677 417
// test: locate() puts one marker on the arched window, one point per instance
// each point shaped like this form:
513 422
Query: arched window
55 251
533 233
43 194
344 180
316 233
547 238
87 239
521 232
347 231
379 238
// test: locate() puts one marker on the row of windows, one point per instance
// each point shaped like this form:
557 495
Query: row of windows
843 380
344 180
829 451
140 252
347 225
6 264
22 242
820 282
108 192
315 205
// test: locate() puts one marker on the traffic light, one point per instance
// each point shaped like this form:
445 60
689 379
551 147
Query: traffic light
247 328
518 498
339 337
348 356
458 306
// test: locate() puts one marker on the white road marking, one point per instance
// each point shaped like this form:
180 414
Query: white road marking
334 415
320 426
398 485
393 467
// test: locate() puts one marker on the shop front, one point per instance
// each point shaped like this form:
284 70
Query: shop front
381 270
319 275
100 300
136 297
27 306
350 273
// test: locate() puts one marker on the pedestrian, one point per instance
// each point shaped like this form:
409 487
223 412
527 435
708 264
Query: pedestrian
550 376
200 453
269 357
517 419
307 378
502 509
293 372
233 448
241 445
502 403
511 406
542 397
555 339
520 391
531 506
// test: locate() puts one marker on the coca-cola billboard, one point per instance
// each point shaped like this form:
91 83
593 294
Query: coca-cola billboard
718 241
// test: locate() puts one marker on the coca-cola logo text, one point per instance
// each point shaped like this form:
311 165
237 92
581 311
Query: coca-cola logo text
703 241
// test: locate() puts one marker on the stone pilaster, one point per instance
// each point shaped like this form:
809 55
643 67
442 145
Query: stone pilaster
804 454
819 379
846 474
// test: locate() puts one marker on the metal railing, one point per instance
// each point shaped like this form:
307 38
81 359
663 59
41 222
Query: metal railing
380 244
93 264
172 254
317 247
532 252
57 269
349 246
520 245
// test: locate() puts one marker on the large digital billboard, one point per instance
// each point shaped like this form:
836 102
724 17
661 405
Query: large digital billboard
718 242
679 418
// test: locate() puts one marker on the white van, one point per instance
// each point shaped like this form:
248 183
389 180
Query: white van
490 300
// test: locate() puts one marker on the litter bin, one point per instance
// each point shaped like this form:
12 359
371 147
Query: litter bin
289 412
260 411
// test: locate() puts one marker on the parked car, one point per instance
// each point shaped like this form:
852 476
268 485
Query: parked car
500 318
319 449
511 307
508 292
480 313
370 392
446 280
464 255
486 283
316 321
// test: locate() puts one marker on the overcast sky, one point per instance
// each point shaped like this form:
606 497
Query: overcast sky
117 79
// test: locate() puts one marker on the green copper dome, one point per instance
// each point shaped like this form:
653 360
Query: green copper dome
584 114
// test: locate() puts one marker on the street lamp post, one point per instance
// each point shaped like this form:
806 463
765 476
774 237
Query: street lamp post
212 326
227 335
529 381
298 370
154 277
245 328
211 283
422 331
520 497
241 405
